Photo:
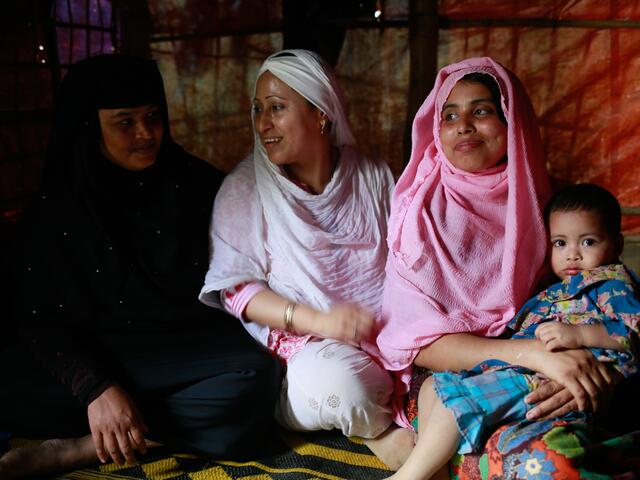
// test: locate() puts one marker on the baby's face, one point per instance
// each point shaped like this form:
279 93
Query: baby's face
579 241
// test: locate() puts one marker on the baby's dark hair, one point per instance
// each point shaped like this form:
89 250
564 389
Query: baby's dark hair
591 198
488 81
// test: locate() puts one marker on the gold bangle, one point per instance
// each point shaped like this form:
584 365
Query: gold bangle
288 316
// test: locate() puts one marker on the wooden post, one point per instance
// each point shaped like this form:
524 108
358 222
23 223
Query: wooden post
423 47
311 25
137 27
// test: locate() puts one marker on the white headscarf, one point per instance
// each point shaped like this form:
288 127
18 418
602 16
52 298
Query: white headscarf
311 77
315 249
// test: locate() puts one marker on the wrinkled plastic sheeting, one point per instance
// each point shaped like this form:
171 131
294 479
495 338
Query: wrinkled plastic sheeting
583 83
209 94
199 17
373 72
540 9
209 78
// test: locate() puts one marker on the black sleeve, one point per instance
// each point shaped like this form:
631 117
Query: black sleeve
68 357
53 332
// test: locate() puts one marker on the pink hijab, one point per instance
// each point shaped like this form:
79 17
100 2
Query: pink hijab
465 249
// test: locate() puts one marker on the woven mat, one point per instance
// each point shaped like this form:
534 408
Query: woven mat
292 456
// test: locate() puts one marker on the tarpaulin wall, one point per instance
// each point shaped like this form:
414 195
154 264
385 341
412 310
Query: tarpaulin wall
209 53
578 59
580 62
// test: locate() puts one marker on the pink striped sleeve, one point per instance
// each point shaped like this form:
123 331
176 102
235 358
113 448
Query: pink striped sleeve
235 299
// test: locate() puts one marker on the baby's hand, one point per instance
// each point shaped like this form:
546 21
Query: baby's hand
556 336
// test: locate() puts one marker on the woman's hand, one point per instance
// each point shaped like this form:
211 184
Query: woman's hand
551 400
116 426
347 322
587 379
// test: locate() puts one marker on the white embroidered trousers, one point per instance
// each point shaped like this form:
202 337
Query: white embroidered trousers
330 384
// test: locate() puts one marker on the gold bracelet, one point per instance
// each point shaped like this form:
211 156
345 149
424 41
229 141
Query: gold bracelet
288 316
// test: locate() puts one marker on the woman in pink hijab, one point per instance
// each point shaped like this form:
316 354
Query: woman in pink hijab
467 241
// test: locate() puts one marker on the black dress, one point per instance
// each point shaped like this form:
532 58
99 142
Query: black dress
107 274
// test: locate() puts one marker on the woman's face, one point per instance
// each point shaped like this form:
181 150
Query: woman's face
472 136
131 137
287 124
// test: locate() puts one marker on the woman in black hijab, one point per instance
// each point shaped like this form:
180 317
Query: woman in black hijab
111 259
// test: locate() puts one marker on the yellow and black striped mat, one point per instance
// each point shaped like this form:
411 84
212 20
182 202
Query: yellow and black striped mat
292 456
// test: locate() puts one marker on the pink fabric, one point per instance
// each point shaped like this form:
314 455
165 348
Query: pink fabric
285 345
235 299
466 249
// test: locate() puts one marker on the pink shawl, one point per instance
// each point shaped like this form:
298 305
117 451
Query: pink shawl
465 249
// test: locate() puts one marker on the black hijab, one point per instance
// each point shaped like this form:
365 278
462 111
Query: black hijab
107 250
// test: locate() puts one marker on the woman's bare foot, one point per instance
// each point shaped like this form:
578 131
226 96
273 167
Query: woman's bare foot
51 456
393 446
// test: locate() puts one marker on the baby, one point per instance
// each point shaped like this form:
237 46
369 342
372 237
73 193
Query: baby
595 306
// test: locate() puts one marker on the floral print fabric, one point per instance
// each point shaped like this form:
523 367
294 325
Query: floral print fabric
573 447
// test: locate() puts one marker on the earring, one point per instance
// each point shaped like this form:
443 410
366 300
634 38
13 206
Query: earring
323 123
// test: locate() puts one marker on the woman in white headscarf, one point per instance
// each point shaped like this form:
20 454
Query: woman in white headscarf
298 237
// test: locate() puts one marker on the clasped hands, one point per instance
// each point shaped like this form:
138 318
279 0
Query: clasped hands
577 380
